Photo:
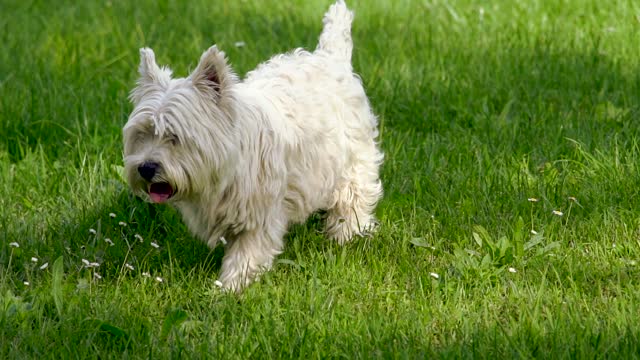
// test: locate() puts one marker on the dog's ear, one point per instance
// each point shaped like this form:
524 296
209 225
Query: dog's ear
213 72
151 76
149 70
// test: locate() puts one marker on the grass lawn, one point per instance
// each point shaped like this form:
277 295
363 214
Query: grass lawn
510 226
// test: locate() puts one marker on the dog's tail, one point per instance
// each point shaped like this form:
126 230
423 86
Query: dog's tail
335 38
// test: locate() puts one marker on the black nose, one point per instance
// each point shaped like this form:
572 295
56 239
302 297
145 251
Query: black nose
148 170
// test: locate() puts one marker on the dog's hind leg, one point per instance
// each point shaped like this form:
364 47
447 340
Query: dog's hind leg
355 199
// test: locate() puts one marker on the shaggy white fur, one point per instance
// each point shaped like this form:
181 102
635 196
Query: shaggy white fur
244 159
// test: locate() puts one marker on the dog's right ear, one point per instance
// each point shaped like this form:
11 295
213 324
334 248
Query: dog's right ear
213 72
149 70
151 76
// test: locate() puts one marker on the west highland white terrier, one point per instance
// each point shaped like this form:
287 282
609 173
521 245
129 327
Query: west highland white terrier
242 159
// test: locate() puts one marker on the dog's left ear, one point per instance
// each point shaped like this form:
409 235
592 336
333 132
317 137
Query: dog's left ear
213 72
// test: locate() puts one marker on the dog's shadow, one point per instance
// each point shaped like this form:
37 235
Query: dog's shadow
127 236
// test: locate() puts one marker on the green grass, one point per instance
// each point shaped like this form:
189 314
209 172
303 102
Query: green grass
480 109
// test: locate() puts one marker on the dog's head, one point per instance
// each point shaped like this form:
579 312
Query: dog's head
179 138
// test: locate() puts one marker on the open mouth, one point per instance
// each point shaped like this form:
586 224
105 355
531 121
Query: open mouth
160 192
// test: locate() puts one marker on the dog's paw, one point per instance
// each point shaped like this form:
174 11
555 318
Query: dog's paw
232 285
228 287
368 230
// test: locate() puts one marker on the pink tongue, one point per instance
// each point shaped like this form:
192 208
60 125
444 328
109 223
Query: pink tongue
158 198
160 192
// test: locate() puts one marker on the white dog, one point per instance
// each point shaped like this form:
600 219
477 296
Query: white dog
241 160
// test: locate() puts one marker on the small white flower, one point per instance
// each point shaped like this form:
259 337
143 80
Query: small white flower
44 266
86 262
239 44
112 215
434 275
122 223
108 241
26 283
218 283
94 264
532 200
512 270
557 212
159 279
155 245
614 245
14 244
97 276
146 274
571 198
93 231
129 266
534 232
223 240
137 236
34 259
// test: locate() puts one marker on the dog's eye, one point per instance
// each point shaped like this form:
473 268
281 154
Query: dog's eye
173 140
140 136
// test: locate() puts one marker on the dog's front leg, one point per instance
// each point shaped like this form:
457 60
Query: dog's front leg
250 254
